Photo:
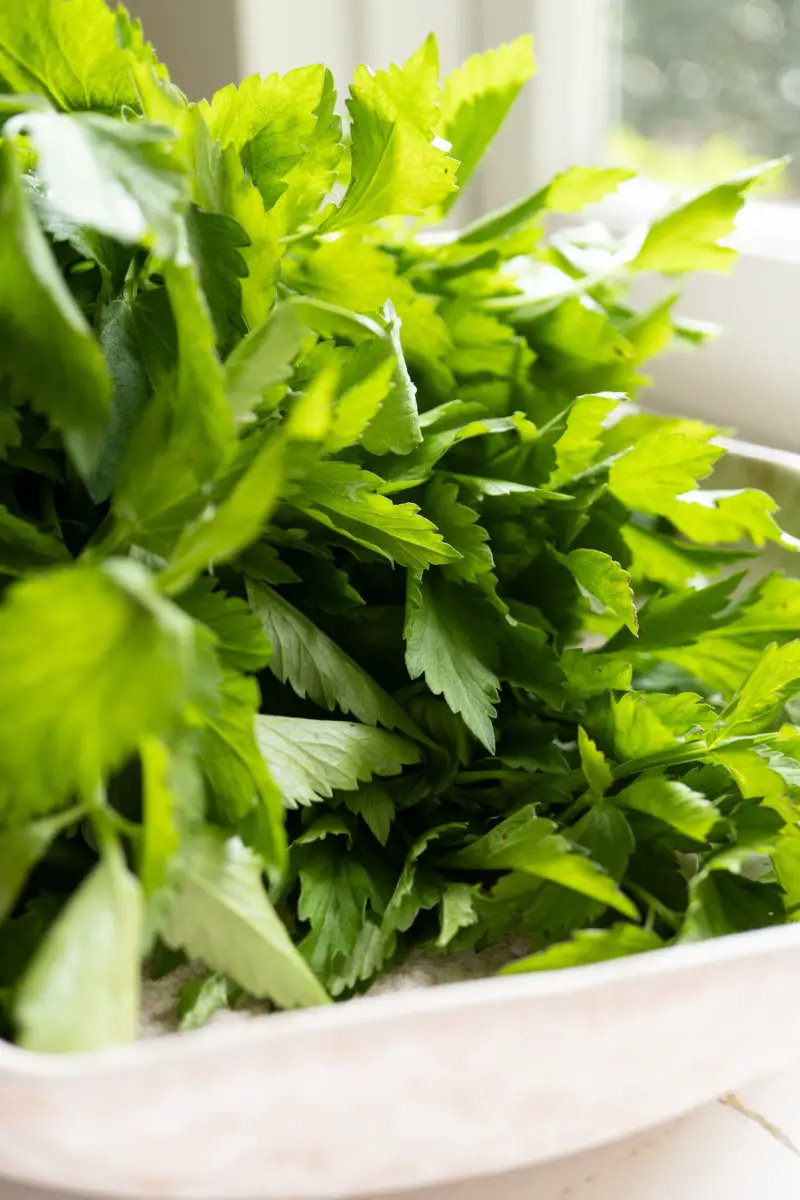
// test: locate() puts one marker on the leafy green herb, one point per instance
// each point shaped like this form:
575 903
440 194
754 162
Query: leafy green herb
346 605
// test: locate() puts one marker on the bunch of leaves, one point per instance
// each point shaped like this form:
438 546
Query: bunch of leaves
347 605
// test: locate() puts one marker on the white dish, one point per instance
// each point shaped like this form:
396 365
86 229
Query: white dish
404 1090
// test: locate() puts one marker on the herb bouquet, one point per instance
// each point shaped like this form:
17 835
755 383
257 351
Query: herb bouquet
348 607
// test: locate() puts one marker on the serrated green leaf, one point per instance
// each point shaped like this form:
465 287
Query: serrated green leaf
658 468
223 917
593 764
579 444
68 53
397 168
444 643
239 641
310 759
524 842
457 912
476 99
604 581
306 658
775 674
687 238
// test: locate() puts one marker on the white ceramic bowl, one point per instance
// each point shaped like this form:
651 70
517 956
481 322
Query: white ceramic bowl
409 1089
420 1087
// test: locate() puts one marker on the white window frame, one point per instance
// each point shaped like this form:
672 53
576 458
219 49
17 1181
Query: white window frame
749 378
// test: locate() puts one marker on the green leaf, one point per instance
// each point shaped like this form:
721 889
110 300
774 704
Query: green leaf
477 97
287 133
81 992
172 807
306 658
368 382
568 192
648 723
398 169
776 673
336 890
605 582
660 467
200 999
132 390
217 244
593 764
719 517
687 237
223 917
671 801
588 946
458 525
457 912
444 641
235 769
345 498
21 850
580 444
24 548
310 759
239 641
116 177
219 534
593 674
67 52
203 422
524 842
92 661
374 804
49 354
263 359
395 427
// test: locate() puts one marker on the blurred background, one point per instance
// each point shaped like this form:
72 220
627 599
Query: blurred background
686 91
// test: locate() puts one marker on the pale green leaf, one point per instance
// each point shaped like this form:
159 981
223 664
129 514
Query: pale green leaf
81 992
223 917
116 177
309 760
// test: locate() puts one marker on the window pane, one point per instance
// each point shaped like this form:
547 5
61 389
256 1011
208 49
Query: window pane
706 87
